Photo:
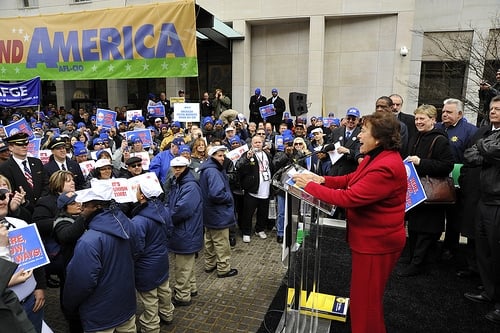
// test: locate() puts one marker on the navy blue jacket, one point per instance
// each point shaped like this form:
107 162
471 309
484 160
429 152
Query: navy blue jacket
460 137
152 225
186 208
100 276
218 204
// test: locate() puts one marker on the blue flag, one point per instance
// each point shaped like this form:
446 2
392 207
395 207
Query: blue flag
26 93
415 193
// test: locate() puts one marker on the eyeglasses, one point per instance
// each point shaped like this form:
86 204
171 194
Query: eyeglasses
3 196
298 144
261 133
108 168
351 118
135 165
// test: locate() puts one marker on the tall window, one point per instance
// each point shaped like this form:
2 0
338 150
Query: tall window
440 80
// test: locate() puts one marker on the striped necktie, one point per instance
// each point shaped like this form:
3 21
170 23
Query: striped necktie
27 174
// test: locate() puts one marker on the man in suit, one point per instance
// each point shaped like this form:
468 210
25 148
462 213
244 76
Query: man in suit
256 101
59 161
279 108
407 119
23 171
347 137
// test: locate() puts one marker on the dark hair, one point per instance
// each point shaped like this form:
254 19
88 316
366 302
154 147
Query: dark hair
385 128
387 99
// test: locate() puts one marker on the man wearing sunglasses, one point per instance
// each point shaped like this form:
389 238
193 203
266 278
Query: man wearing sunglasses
23 171
134 167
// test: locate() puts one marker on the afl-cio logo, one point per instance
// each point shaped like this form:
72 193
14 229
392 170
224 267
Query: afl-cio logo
100 116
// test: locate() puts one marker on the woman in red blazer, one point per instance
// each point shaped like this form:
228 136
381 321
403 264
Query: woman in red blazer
374 197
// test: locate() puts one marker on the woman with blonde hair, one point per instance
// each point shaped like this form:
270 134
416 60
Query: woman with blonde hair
431 154
198 154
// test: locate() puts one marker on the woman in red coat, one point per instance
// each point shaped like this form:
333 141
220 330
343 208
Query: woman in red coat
374 197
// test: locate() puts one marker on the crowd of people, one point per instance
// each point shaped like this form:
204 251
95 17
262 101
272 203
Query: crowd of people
215 188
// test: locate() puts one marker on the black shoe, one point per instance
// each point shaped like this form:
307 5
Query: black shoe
410 270
52 283
165 322
447 255
493 316
232 272
279 239
232 241
466 274
478 298
176 302
210 270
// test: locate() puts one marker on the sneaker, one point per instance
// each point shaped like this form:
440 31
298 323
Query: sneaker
246 239
261 234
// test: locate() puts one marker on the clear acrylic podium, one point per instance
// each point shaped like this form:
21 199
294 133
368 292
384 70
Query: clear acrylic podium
306 309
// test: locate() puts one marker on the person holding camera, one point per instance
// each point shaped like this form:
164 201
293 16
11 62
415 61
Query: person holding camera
486 93
221 103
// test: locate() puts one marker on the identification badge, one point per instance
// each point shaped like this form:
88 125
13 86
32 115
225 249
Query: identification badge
265 176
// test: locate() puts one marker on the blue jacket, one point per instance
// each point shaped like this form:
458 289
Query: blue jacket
100 276
218 204
460 137
152 224
160 164
186 209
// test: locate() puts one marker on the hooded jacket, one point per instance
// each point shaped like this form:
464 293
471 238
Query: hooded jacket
100 276
218 204
152 225
186 209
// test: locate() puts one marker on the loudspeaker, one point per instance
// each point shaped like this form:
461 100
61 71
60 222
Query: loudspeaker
298 103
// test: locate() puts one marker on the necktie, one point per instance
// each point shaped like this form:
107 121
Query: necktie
63 167
347 134
27 174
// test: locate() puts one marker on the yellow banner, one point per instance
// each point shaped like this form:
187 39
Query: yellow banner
133 42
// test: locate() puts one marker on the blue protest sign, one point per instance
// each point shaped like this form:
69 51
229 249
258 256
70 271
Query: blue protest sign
156 110
26 247
415 193
267 111
26 93
19 126
105 118
143 134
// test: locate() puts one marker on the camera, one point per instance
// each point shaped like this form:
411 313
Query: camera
403 51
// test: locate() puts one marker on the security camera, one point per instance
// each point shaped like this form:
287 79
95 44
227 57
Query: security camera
403 51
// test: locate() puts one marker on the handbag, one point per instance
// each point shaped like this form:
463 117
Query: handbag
439 190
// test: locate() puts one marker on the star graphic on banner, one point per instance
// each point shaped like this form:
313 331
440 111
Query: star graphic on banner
94 68
128 67
26 37
184 65
17 70
20 31
164 66
3 70
145 66
14 30
111 68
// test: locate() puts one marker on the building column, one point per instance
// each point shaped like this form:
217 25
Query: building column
64 93
117 93
316 65
242 55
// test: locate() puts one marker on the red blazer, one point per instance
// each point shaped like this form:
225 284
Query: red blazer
374 197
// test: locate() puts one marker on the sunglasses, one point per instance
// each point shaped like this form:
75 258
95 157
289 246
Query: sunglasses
351 118
261 133
136 165
298 144
21 144
4 195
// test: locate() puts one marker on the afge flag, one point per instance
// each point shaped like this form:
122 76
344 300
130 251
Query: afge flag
18 94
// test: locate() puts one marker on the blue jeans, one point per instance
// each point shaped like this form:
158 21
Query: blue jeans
280 221
36 318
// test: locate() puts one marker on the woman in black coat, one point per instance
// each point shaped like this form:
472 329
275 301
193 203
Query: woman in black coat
431 154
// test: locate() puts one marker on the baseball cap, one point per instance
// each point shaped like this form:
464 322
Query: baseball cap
65 199
179 161
274 90
257 91
215 149
353 112
178 141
